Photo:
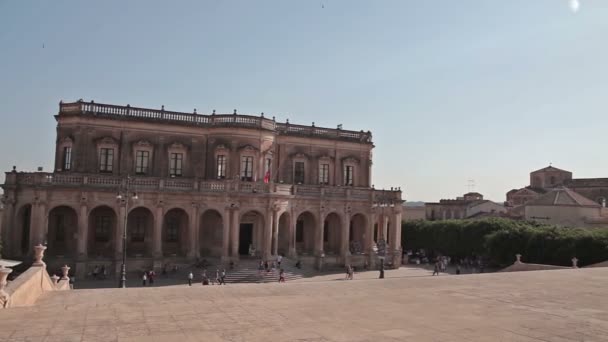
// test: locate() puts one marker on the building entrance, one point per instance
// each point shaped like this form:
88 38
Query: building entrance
245 238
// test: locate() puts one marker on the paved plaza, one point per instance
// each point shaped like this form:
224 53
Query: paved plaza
564 305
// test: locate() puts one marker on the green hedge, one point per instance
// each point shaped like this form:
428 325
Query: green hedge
500 239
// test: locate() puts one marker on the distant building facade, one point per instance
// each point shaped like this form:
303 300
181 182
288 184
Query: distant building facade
199 186
554 197
470 205
414 213
550 177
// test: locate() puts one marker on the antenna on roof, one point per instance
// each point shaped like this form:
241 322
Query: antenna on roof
470 185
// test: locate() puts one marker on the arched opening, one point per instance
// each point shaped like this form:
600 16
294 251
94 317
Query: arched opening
62 232
211 232
140 227
305 233
283 235
22 235
332 234
102 233
175 233
552 180
357 234
251 233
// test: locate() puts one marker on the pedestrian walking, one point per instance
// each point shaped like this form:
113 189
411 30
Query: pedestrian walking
279 259
281 276
144 278
457 269
151 276
190 277
217 276
223 277
436 270
204 277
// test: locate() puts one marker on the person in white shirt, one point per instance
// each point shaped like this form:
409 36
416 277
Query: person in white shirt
190 277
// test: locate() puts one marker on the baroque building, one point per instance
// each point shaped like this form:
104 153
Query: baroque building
470 205
185 186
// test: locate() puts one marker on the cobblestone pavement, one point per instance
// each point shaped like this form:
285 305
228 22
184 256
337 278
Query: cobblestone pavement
564 305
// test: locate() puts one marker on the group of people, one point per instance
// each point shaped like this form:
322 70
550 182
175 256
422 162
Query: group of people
147 277
220 278
265 266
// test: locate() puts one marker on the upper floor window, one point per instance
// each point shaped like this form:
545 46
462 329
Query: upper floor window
67 158
324 174
221 166
141 162
102 228
106 159
247 168
298 172
348 175
175 164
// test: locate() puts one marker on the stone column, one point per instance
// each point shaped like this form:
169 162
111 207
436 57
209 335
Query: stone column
157 234
83 233
292 236
345 238
234 234
120 230
275 233
396 237
369 233
384 230
37 221
192 250
319 252
267 236
226 235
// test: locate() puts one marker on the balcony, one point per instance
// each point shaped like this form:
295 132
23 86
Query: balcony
155 184
214 120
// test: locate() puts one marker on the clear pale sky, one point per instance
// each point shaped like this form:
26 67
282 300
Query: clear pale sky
452 90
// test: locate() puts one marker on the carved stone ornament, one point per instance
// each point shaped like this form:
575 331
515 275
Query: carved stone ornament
177 146
351 160
66 140
325 158
300 155
221 148
248 148
143 143
107 141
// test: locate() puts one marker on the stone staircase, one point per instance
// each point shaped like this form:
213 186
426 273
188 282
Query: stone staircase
247 272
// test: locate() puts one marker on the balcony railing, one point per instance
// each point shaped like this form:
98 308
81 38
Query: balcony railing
213 120
42 179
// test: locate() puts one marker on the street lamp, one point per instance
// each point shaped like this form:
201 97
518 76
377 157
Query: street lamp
122 283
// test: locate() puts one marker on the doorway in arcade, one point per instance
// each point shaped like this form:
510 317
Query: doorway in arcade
245 238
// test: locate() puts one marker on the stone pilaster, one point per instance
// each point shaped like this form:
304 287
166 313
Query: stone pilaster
234 234
345 237
157 233
120 231
193 251
275 233
226 235
83 232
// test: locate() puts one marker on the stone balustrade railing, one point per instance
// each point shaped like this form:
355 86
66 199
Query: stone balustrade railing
31 284
213 120
43 179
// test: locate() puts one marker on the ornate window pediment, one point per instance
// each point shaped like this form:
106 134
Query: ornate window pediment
300 155
66 141
107 141
350 160
248 148
326 158
143 144
177 146
221 148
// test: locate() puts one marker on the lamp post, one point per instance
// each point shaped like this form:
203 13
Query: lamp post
122 283
382 203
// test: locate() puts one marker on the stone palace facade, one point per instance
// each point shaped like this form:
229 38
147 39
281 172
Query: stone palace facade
189 186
